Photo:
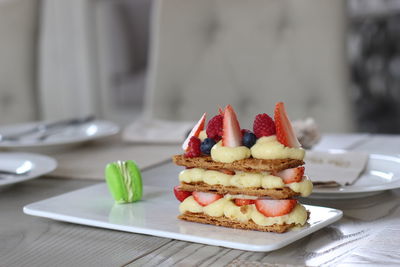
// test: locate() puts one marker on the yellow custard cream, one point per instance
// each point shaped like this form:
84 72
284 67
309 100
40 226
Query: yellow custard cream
244 179
202 135
229 154
270 148
225 207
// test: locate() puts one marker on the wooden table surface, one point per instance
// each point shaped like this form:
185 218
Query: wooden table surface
369 232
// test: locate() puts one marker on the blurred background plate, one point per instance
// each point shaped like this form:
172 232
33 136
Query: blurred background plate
35 164
60 137
381 173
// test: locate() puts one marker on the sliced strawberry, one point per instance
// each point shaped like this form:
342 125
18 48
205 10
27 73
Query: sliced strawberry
180 194
274 208
195 131
284 130
226 171
232 136
292 175
205 199
243 202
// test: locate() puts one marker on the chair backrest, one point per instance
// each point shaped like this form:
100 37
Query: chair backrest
250 54
18 64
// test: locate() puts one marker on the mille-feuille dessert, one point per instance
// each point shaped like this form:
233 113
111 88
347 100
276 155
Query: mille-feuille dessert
242 179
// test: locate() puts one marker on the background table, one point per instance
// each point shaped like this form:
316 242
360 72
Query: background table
368 233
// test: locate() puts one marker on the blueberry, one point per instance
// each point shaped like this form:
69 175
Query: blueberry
206 145
249 139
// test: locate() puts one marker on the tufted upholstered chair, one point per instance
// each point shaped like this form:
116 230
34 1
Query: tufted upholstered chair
251 54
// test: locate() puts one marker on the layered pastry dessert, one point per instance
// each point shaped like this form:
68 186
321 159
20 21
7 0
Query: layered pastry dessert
243 179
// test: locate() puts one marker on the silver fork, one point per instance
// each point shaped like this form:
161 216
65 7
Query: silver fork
45 127
9 174
16 173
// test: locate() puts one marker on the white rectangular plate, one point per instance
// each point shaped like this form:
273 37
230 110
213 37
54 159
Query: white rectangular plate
156 215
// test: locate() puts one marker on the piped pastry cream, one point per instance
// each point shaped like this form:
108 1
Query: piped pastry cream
265 148
244 180
189 204
229 154
234 212
227 208
269 148
202 135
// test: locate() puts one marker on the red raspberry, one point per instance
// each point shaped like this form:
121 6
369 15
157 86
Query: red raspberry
263 125
193 149
214 127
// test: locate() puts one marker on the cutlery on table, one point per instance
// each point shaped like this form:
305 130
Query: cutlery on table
17 173
46 127
25 168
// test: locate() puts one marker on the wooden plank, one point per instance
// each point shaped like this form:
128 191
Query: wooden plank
222 259
182 254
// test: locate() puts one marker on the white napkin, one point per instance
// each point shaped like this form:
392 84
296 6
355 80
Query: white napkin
157 131
332 169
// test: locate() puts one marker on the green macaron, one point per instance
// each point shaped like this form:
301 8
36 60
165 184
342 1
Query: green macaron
124 181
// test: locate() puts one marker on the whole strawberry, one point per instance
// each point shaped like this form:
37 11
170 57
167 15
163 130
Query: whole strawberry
214 127
263 125
193 149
